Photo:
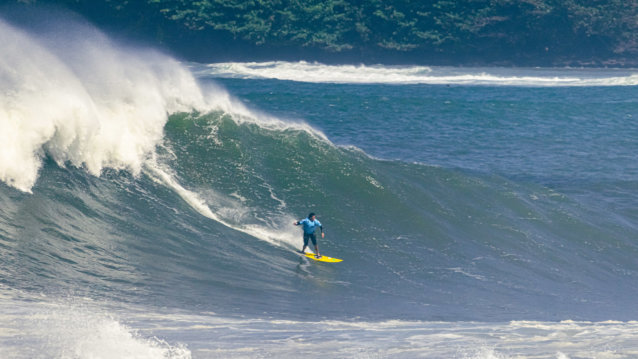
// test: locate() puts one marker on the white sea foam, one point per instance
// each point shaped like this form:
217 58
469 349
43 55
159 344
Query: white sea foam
362 74
34 326
212 336
74 328
83 101
402 339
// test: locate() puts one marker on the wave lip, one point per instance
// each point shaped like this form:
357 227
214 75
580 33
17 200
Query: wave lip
82 100
378 74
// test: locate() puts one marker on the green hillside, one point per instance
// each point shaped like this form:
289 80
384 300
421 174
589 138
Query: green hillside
523 32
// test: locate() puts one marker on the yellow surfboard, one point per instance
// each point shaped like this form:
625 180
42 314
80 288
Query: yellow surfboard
323 258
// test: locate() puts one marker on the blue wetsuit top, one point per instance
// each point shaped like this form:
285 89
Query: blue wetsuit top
310 226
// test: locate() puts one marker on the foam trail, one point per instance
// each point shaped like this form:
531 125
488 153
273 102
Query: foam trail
351 74
273 236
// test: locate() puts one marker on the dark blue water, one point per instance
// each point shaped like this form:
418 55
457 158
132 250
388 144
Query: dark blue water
549 133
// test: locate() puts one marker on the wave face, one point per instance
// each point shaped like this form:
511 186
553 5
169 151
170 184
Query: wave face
134 185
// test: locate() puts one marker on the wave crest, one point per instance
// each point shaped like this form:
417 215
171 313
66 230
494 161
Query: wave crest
83 100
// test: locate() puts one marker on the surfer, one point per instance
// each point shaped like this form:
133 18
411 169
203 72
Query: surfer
310 224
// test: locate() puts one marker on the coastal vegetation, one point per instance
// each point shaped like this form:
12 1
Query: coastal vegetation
527 32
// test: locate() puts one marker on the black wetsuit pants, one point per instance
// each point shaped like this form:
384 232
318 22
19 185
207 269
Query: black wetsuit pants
309 236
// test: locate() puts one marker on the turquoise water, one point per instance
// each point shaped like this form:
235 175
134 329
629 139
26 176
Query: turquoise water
146 207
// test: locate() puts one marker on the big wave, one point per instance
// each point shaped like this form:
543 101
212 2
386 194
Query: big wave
72 95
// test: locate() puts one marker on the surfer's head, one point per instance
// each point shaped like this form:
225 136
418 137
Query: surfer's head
311 215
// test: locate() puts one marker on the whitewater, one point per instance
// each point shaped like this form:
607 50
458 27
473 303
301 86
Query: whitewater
146 206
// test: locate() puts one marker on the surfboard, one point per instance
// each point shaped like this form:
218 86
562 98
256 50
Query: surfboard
323 258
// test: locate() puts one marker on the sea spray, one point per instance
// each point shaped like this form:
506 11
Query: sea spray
90 103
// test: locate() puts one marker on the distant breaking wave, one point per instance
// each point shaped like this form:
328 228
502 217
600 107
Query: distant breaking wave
378 74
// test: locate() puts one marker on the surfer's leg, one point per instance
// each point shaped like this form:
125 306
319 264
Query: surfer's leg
305 243
314 242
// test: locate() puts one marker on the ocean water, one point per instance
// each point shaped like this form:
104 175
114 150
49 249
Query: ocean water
146 207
